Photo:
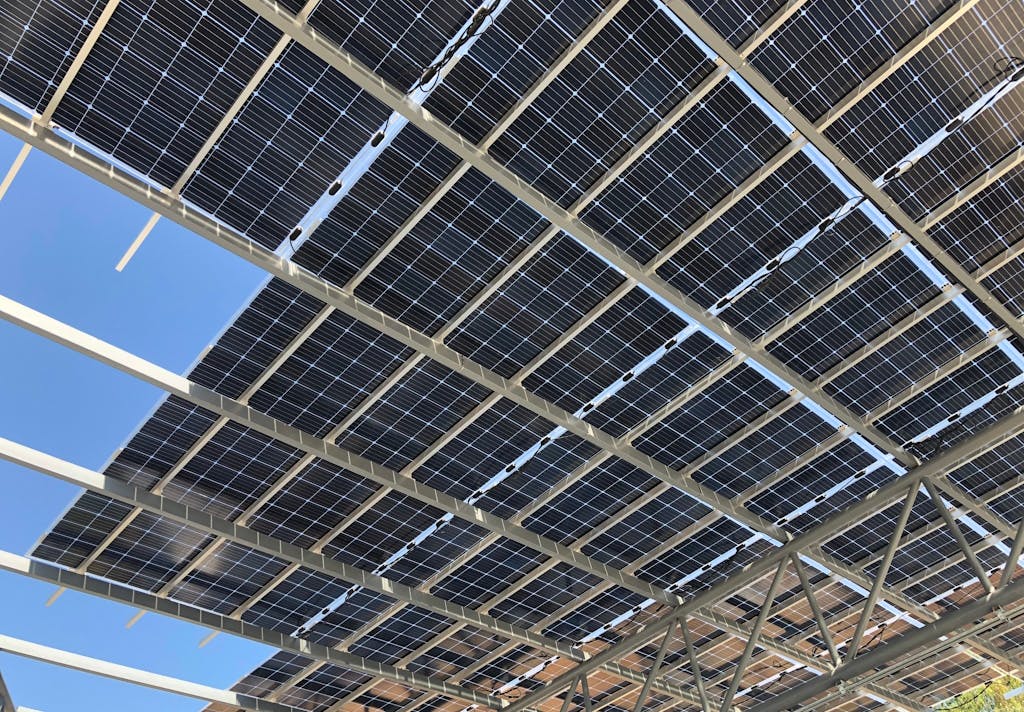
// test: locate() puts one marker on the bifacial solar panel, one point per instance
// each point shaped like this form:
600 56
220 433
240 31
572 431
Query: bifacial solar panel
609 326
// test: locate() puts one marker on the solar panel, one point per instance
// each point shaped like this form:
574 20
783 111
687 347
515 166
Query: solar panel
786 350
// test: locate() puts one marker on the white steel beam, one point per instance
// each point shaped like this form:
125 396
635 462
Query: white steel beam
135 676
130 364
73 580
46 116
802 544
849 170
376 87
279 549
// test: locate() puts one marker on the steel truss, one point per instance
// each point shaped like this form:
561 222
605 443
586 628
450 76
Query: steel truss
6 701
961 9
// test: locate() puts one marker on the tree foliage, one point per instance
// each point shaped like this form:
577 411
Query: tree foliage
987 698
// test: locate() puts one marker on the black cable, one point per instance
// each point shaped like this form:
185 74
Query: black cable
379 136
478 23
1011 64
964 703
775 266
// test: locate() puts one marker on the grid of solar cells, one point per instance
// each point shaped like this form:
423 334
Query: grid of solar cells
832 468
315 501
161 77
436 552
670 376
986 225
322 688
974 147
276 669
949 395
852 489
285 147
397 41
38 42
482 450
455 654
643 530
513 53
825 50
553 464
556 589
717 144
420 408
616 341
789 203
570 372
273 319
608 487
1008 286
227 579
79 532
761 453
331 372
148 552
906 359
710 417
373 209
302 594
452 253
385 528
161 442
637 68
231 470
934 86
553 291
699 549
855 317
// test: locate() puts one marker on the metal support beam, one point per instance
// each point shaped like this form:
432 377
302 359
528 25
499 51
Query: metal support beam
912 641
954 529
271 427
1012 560
143 678
116 592
849 169
698 678
883 571
812 601
197 519
12 172
659 658
755 635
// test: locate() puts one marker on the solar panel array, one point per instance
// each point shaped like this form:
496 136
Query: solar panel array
868 356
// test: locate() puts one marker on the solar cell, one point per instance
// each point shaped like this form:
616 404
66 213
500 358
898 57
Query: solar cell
721 200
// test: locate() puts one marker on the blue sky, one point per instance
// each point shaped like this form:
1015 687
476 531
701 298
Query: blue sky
62 234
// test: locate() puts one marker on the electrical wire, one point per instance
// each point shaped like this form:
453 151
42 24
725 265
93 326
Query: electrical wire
1003 67
964 703
774 267
478 23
